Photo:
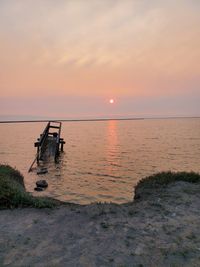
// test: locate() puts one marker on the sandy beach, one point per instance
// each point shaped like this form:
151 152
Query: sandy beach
160 228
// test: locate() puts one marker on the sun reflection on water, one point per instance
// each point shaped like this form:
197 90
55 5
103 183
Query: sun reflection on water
112 151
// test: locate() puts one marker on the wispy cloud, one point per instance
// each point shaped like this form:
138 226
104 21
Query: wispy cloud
138 48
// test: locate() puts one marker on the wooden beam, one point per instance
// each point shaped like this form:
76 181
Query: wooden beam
55 127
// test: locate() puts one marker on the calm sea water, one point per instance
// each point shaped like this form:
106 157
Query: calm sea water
103 160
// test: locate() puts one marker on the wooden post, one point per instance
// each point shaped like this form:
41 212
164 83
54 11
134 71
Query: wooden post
37 154
62 142
62 146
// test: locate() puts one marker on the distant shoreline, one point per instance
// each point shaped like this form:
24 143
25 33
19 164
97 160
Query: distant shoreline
100 119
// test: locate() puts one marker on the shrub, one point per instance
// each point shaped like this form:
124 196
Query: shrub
13 194
162 179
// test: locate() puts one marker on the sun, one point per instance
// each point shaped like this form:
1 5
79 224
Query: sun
111 101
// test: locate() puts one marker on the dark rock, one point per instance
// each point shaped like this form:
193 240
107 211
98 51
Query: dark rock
42 183
38 188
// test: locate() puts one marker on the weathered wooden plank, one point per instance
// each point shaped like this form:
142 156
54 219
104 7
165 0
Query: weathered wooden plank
55 127
48 143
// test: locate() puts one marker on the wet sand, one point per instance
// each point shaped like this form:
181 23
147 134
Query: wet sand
159 229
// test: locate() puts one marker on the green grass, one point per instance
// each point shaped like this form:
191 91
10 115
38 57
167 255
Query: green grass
13 194
7 171
164 178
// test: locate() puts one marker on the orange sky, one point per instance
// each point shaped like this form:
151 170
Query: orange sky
140 50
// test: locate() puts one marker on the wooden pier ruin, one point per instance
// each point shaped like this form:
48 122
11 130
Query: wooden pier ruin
49 144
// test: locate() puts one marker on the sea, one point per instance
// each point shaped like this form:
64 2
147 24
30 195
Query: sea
103 160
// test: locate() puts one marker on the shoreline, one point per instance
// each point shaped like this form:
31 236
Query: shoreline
159 228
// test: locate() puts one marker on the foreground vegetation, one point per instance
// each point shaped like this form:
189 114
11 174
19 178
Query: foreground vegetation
161 180
164 178
13 194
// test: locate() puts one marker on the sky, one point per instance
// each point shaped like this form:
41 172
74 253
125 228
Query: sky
67 59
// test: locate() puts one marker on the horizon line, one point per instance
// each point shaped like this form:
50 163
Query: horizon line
102 119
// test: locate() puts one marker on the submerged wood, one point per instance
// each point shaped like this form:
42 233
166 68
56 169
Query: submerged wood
42 171
49 144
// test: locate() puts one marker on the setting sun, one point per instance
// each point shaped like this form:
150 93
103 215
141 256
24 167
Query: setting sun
111 101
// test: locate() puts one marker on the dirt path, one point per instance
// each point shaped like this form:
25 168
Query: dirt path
160 229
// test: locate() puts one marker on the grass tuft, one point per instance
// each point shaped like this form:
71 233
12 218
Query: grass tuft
162 179
13 194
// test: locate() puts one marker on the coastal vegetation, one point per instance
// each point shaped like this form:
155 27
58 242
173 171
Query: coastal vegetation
14 195
163 179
